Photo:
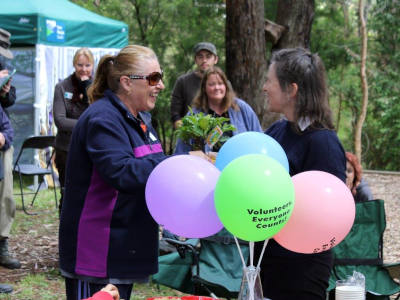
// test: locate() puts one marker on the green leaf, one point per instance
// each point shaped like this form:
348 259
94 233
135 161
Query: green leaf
198 126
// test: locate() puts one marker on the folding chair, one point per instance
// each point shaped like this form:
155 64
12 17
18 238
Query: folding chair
35 142
208 267
362 251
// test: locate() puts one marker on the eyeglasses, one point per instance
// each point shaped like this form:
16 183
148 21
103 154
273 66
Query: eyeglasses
153 78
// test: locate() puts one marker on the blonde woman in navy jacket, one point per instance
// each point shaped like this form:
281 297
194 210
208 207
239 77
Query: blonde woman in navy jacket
107 235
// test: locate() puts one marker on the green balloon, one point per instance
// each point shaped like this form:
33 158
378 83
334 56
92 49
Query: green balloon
254 197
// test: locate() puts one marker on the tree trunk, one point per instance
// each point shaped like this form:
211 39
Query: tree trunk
246 63
364 82
297 16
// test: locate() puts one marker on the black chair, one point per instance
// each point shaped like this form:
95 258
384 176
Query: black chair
35 142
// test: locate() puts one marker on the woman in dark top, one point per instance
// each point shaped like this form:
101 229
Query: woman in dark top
296 87
70 101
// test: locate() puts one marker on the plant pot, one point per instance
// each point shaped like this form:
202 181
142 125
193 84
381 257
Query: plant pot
198 144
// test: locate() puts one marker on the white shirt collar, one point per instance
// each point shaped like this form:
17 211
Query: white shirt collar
303 123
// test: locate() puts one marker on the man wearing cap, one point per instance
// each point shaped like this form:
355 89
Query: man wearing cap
187 85
7 204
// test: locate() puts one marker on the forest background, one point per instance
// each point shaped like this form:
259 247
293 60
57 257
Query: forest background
172 28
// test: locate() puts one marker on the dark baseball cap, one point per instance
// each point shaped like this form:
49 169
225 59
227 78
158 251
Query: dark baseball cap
205 46
5 44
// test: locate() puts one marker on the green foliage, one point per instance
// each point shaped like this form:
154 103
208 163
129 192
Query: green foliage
383 123
196 128
335 37
270 7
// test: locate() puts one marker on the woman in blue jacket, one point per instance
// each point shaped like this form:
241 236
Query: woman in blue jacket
296 87
107 234
217 98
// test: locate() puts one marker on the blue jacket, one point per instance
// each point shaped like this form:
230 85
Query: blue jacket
106 230
243 119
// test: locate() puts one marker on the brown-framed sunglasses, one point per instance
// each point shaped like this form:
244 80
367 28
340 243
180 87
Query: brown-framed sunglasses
153 78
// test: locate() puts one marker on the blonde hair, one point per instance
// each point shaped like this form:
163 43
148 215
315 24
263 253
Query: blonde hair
85 52
130 60
201 99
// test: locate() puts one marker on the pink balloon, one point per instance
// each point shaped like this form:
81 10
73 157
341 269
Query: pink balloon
323 213
180 196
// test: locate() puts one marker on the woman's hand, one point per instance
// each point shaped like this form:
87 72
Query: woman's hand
2 140
212 156
7 86
112 290
202 155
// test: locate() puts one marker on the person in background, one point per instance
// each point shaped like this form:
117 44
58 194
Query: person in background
354 181
70 101
296 87
7 204
107 234
109 292
217 98
187 85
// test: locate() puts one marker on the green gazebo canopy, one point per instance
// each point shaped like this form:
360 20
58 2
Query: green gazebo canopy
59 23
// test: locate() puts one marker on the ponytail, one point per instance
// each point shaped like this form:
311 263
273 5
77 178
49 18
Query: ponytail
129 60
100 83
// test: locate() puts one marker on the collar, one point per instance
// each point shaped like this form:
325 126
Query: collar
304 123
142 116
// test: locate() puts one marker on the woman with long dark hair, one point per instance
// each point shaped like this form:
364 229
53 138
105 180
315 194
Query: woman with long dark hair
296 87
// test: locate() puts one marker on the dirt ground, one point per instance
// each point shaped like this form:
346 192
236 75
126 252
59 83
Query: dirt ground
36 253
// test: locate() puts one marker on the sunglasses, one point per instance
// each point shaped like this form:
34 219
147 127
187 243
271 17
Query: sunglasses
153 78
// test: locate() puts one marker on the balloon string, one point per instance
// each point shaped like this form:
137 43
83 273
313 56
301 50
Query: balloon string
251 246
240 252
262 253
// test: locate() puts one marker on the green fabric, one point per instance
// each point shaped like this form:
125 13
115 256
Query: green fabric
364 241
174 272
221 265
31 22
220 269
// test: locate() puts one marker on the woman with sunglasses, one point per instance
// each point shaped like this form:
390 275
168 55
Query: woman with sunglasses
70 101
296 87
107 234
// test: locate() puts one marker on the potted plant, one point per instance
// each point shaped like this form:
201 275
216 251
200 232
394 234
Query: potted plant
199 129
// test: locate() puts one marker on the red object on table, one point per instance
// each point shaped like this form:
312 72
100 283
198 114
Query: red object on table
183 298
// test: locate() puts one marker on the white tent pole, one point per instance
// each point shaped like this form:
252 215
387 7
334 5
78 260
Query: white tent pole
36 104
36 108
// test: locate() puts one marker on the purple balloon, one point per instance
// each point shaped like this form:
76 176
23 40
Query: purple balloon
180 196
